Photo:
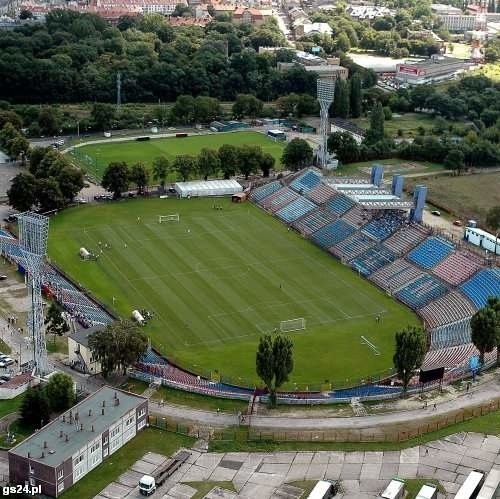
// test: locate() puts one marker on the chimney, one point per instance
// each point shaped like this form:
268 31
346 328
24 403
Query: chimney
29 455
102 411
115 395
81 427
64 418
45 444
66 439
77 416
104 403
70 417
90 412
61 434
117 401
43 455
92 427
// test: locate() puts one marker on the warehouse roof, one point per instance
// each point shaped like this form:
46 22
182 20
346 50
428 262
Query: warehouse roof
55 449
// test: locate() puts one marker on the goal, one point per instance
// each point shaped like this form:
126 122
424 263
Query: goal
292 325
168 218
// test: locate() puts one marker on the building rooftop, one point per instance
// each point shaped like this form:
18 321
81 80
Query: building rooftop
87 414
82 335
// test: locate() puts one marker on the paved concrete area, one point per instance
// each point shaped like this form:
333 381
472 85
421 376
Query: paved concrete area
363 475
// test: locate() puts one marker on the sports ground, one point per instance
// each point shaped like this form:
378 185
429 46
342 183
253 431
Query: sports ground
217 279
94 158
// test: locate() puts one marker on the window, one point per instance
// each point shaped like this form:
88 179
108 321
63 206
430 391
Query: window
105 440
32 471
115 432
129 421
142 412
141 424
78 460
60 487
95 447
60 474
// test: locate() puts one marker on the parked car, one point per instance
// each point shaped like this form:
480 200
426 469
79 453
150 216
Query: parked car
3 277
436 213
5 377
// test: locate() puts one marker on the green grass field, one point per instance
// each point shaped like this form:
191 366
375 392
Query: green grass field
213 280
95 158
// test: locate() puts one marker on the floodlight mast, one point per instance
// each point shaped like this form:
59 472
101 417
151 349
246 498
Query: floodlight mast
33 234
325 94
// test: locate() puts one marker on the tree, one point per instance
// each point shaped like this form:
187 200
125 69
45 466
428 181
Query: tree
266 163
409 354
185 165
160 169
484 329
344 146
208 162
70 180
102 114
116 178
274 362
48 194
18 146
22 192
48 121
36 156
55 323
139 175
356 96
35 409
228 158
249 159
247 105
297 154
493 218
60 392
376 131
104 350
454 160
341 100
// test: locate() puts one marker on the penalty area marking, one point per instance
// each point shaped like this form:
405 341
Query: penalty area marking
367 342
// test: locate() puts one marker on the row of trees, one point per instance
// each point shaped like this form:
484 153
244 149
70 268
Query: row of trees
38 403
52 182
13 142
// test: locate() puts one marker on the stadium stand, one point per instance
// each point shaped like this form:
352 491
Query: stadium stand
306 182
421 291
484 284
295 210
321 193
352 246
431 252
449 308
396 275
454 357
381 228
356 216
263 191
458 267
332 233
279 199
450 335
313 221
340 204
372 259
406 238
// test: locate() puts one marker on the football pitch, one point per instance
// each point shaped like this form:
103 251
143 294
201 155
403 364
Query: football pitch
94 158
218 279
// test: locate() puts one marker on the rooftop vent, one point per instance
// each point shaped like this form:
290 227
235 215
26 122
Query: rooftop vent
43 455
45 444
102 411
92 427
117 401
90 412
104 403
60 434
66 439
52 451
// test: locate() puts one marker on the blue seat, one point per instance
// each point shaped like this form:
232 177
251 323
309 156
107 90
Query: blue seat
304 183
333 233
265 190
430 252
381 228
373 259
353 246
295 209
450 335
421 291
485 284
340 204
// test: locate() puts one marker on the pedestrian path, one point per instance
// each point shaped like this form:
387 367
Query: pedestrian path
363 475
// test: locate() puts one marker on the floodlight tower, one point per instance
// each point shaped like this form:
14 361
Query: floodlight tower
325 93
33 233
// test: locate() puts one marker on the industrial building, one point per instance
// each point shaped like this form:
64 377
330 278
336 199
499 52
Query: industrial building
68 448
437 68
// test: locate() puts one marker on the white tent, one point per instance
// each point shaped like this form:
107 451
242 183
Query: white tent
207 188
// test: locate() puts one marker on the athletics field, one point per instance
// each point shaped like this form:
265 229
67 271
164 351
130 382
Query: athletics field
218 279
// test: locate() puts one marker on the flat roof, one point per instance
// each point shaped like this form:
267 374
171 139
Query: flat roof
206 185
57 449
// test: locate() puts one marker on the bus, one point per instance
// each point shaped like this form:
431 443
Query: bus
491 485
323 490
471 487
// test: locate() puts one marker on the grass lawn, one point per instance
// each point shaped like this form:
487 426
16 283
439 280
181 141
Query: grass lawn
488 425
20 432
203 488
465 197
186 398
391 167
408 122
4 348
58 344
213 281
148 440
11 405
95 158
